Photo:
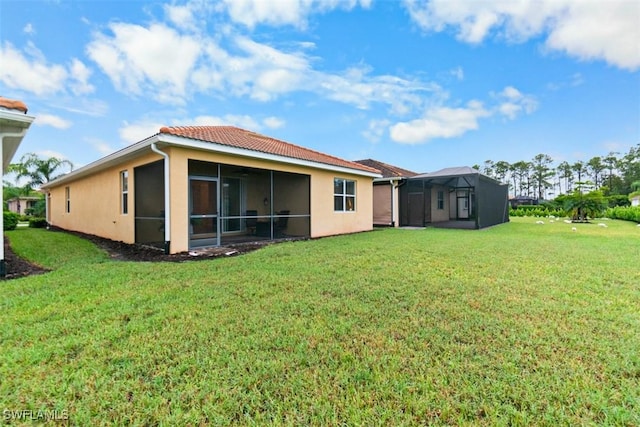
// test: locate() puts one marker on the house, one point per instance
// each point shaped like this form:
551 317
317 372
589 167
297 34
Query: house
198 186
459 197
516 201
635 200
22 204
386 192
14 123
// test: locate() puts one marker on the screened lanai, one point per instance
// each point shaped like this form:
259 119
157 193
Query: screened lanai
227 204
459 197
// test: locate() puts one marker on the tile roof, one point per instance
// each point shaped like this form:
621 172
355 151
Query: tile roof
241 138
11 104
388 171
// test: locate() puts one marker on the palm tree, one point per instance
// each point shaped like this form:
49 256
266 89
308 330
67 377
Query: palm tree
38 171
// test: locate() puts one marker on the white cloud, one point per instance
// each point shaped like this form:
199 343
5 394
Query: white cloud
100 146
156 60
80 76
29 29
513 103
587 30
375 130
172 65
357 87
439 122
273 122
51 120
284 12
142 129
458 73
135 132
243 121
30 73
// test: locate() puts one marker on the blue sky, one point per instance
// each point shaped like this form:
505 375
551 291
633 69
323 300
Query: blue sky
419 84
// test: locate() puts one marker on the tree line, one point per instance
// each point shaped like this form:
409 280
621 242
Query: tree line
613 174
33 171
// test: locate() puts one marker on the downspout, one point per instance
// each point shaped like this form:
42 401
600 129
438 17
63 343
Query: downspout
167 199
393 211
3 265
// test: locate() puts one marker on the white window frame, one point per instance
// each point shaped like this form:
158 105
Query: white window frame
440 199
67 199
347 199
124 192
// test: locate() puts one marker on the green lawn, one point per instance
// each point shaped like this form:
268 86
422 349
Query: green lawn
520 324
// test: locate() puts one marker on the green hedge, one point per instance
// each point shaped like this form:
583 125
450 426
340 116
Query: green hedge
10 220
537 211
37 222
628 213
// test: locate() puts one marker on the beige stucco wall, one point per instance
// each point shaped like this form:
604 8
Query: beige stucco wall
95 199
95 203
438 215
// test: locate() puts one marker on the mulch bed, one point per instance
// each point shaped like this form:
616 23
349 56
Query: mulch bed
17 267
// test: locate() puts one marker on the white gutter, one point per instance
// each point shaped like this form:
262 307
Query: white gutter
4 135
167 198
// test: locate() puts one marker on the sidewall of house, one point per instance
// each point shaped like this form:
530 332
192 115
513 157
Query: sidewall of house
324 220
95 203
95 200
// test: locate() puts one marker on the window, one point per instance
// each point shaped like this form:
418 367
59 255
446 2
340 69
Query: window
440 199
344 195
67 198
124 189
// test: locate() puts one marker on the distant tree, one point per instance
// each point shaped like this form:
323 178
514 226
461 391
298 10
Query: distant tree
488 168
580 169
566 172
38 171
595 167
522 170
629 166
611 163
541 172
501 169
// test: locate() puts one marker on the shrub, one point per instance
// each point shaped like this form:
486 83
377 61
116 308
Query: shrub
37 222
10 220
618 200
627 213
536 211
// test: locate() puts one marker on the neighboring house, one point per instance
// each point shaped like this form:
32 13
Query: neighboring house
635 200
14 123
456 197
386 208
522 200
20 204
197 186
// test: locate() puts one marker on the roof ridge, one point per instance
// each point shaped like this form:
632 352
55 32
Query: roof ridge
184 132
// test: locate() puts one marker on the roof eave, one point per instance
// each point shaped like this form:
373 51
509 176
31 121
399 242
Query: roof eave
243 152
179 141
13 128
